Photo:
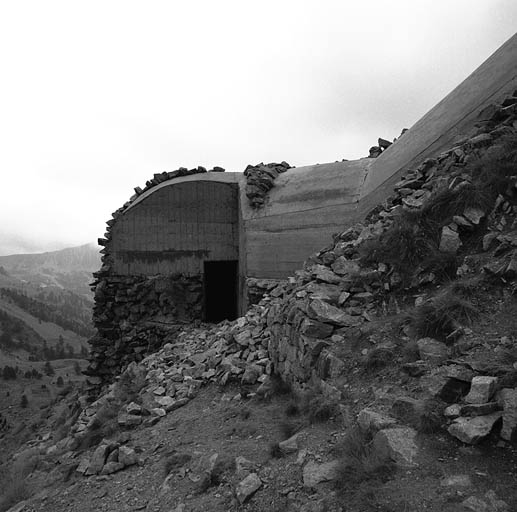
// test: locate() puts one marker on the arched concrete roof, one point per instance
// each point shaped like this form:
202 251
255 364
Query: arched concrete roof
220 177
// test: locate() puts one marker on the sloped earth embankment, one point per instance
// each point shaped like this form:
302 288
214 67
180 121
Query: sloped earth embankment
445 473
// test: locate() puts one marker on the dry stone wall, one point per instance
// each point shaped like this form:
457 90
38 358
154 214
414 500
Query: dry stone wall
134 314
260 179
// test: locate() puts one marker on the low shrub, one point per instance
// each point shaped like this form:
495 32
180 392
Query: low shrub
403 245
414 236
292 409
431 418
359 461
378 358
131 381
175 460
279 386
288 429
317 407
274 451
442 264
224 465
410 352
13 485
14 490
440 316
104 425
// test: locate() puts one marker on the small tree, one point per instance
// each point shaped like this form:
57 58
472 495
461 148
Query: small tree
48 369
9 373
24 402
77 368
60 382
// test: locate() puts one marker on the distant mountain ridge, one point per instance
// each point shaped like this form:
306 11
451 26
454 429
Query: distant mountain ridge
45 298
83 257
69 268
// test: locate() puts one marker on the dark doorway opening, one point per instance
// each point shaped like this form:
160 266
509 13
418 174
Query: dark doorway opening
221 285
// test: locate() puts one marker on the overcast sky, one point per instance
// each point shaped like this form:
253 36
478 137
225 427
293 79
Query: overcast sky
97 96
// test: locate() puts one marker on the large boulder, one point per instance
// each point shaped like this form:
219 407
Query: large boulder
98 459
289 445
450 240
432 350
481 390
315 473
373 421
247 487
323 312
397 444
342 266
508 399
473 430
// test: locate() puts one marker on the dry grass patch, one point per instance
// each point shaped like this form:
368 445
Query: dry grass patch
317 407
14 490
359 460
431 419
378 358
441 315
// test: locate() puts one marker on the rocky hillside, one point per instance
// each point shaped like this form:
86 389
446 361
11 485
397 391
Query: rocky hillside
382 376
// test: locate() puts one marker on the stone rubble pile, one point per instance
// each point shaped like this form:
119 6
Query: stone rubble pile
193 357
109 457
133 316
470 419
257 288
327 305
382 145
483 407
260 179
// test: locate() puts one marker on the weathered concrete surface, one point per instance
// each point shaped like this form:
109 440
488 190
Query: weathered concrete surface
309 204
176 228
305 207
450 119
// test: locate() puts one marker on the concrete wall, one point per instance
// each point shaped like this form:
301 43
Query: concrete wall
303 210
309 204
176 228
448 122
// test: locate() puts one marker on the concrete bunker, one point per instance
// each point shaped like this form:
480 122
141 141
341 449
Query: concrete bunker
188 229
165 250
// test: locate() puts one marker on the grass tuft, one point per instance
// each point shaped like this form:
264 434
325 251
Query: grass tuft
292 409
279 386
440 316
274 451
413 238
14 490
360 462
174 461
378 358
317 407
431 419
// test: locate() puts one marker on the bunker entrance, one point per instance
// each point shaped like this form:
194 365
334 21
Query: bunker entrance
221 285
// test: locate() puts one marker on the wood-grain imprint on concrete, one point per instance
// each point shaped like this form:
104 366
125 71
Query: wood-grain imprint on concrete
177 228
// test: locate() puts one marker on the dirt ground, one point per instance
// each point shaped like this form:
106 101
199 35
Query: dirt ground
213 422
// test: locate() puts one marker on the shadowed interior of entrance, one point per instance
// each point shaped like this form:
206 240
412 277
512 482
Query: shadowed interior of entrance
221 284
